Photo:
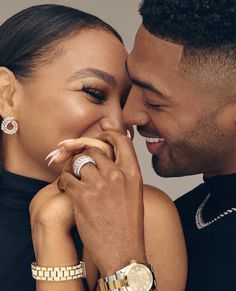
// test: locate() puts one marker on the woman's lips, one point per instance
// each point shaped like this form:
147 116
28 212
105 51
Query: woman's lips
154 144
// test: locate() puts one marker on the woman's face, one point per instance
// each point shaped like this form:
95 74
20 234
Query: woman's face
79 93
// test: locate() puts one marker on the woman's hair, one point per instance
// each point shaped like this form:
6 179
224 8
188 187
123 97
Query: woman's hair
31 36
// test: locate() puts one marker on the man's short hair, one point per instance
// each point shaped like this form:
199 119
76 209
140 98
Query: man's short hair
206 29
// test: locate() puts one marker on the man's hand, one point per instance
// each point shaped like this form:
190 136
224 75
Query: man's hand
108 204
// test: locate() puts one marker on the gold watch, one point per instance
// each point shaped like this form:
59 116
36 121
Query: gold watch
134 277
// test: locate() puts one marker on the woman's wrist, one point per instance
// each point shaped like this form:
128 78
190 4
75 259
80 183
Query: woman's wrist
53 247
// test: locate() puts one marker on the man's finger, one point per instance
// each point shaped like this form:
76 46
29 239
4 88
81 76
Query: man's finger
69 184
125 155
89 172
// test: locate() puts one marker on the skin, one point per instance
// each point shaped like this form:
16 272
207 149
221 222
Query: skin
67 104
149 224
54 94
198 126
197 123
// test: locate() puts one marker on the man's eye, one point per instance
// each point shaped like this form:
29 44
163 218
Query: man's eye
99 96
152 106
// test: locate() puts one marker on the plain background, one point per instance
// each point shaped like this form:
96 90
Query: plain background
123 16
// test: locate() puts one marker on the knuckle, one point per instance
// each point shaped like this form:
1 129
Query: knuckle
70 186
135 174
116 176
124 139
66 182
101 186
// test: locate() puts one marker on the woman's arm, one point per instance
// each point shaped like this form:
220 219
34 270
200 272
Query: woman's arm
164 240
52 217
54 248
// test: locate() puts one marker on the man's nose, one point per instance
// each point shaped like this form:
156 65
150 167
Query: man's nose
134 111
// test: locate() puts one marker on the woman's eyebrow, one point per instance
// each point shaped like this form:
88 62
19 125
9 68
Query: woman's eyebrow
92 72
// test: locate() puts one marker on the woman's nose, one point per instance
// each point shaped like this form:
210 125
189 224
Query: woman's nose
113 122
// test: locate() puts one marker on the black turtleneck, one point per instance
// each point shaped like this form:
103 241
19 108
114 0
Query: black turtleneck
211 250
16 248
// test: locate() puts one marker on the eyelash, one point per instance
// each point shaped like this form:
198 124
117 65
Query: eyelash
98 95
152 106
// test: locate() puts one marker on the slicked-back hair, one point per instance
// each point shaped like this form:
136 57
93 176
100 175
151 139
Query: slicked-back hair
32 36
27 37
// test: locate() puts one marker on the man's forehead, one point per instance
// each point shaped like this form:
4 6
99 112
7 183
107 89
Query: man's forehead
152 50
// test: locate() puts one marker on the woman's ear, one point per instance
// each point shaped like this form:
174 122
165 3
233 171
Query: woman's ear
7 90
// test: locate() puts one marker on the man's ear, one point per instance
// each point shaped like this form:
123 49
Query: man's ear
7 90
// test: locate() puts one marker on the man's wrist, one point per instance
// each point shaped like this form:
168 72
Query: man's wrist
135 276
112 265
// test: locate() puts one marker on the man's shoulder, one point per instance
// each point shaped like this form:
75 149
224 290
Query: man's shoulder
190 200
189 196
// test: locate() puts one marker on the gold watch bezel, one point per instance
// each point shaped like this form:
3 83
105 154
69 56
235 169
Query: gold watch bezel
146 267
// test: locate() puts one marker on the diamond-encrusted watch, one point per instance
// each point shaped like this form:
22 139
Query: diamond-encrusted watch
135 277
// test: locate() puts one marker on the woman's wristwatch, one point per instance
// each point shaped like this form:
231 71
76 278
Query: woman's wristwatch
134 277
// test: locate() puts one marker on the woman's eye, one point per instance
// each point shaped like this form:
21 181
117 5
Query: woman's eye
152 106
98 95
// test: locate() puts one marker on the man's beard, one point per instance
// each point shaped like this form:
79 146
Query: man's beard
177 165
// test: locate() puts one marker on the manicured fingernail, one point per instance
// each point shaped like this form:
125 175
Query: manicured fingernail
51 154
129 134
53 157
65 141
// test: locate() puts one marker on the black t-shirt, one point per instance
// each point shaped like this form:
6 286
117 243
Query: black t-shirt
212 249
16 248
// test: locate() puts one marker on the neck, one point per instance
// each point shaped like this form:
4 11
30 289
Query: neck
17 161
223 172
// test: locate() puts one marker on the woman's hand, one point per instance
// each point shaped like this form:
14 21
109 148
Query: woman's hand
51 209
52 217
69 148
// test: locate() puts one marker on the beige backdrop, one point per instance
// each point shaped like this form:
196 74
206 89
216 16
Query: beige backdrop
123 15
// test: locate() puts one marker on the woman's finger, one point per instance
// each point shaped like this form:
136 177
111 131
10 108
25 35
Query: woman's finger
70 148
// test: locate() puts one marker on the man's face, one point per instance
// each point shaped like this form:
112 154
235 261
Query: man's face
186 126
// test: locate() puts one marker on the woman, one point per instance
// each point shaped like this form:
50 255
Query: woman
63 76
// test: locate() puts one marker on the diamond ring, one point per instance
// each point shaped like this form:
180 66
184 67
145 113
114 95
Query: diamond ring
80 162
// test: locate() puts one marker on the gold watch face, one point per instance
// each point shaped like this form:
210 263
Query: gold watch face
140 278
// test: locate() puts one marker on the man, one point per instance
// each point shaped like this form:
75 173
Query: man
183 68
183 101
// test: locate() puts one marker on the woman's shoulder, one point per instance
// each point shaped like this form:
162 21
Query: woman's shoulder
164 240
160 211
156 199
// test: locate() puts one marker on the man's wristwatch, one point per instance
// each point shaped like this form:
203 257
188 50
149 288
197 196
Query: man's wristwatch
134 277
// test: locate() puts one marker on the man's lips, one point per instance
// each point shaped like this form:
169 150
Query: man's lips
153 141
154 144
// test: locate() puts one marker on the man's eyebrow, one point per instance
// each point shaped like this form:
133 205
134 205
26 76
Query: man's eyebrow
92 72
145 85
